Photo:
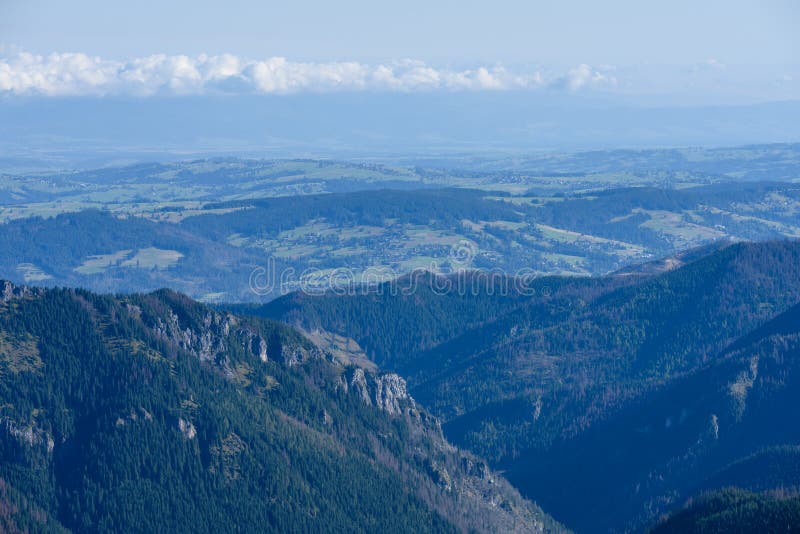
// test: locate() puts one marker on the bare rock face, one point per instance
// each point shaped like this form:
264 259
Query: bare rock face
446 470
476 468
133 416
740 387
30 434
253 342
261 348
211 341
294 356
391 393
187 428
204 344
713 427
387 391
9 291
358 384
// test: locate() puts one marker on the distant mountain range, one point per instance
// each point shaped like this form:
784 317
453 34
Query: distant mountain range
76 132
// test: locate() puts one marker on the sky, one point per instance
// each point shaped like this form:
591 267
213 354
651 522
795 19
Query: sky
91 81
565 32
734 50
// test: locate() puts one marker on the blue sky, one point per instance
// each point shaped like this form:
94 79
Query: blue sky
730 50
564 32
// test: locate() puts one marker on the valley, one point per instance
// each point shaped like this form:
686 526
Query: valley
606 347
607 400
206 227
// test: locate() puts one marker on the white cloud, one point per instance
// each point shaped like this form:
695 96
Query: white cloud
76 74
584 76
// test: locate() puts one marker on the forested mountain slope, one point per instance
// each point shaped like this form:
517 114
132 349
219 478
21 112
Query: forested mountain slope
399 319
152 412
104 252
734 511
732 422
577 391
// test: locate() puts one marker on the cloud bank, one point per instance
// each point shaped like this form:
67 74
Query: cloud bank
77 74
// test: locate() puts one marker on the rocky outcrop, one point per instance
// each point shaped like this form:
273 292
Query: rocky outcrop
134 416
10 291
358 385
447 471
739 388
212 341
259 346
387 391
204 343
391 394
294 355
187 428
475 468
28 434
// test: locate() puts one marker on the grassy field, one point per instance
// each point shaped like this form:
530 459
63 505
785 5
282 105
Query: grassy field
145 258
153 258
101 262
567 236
31 273
576 214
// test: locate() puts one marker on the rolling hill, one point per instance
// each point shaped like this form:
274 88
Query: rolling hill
214 249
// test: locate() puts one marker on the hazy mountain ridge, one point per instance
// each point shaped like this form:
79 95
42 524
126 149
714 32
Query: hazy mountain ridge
68 132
